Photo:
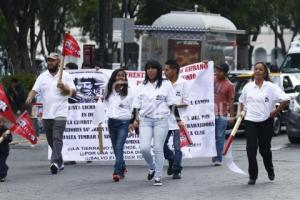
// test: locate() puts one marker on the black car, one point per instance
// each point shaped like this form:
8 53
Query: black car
293 119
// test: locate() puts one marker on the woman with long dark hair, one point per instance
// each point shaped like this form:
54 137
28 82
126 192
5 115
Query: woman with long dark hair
259 99
119 99
154 100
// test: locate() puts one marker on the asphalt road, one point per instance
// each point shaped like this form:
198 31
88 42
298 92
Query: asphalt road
29 178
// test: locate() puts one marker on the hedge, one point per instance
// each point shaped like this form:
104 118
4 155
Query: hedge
27 80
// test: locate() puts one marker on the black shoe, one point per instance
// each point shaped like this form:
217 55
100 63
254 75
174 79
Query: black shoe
53 168
271 176
251 181
2 180
177 176
170 169
124 172
150 174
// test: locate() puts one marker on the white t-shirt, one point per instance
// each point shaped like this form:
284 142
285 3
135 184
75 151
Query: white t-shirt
119 107
154 102
181 97
54 103
260 102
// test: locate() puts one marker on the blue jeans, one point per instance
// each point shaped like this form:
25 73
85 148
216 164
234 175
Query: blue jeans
118 131
220 128
175 157
158 130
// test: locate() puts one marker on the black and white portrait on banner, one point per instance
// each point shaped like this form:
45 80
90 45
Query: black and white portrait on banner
89 85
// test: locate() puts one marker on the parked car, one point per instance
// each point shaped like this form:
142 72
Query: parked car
286 82
293 119
291 64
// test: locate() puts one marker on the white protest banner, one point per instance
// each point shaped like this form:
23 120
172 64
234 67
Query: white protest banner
199 116
81 136
81 142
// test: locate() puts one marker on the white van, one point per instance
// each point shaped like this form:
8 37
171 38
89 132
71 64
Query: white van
291 64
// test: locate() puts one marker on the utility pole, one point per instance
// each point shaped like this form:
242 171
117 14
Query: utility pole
276 36
109 19
105 33
124 47
101 33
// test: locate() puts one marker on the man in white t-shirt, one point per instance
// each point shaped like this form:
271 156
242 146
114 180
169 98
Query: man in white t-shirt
54 96
171 71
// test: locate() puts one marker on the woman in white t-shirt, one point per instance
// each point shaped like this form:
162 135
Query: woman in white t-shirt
118 98
259 99
154 101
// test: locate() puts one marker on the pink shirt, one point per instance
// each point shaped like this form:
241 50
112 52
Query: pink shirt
224 90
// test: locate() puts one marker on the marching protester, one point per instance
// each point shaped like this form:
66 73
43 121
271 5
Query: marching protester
54 96
118 98
5 139
171 71
259 99
224 98
154 99
71 66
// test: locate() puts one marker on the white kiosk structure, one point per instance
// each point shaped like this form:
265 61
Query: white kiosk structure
189 37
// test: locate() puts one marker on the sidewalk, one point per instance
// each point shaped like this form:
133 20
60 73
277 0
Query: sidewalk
17 140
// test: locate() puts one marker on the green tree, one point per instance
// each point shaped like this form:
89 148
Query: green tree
283 14
3 32
18 15
54 16
86 16
21 17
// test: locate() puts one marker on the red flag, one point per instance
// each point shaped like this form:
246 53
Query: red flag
70 46
24 128
185 138
5 108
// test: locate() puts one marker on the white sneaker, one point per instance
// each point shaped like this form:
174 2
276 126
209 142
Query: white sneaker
62 167
157 182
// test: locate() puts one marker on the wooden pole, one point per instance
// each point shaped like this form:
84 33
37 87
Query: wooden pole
100 138
233 132
62 61
61 68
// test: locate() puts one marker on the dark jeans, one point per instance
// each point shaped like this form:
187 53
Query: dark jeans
259 134
175 157
118 131
54 129
3 166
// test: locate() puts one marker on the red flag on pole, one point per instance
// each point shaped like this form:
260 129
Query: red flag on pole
5 108
185 138
70 46
24 128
